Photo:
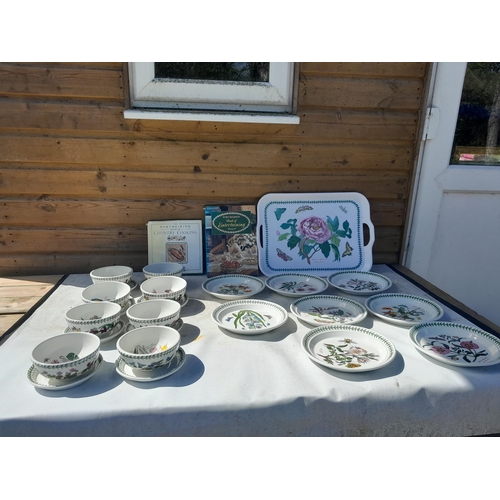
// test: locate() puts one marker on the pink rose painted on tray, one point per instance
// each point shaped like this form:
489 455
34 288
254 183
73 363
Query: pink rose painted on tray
314 234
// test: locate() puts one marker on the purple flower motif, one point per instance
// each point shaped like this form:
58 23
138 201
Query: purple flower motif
467 344
440 349
315 229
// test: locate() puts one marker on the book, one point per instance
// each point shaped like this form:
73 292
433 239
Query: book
179 241
230 240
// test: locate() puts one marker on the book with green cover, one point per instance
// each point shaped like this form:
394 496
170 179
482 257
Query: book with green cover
230 240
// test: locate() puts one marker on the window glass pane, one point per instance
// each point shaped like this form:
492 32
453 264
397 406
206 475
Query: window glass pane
478 124
214 71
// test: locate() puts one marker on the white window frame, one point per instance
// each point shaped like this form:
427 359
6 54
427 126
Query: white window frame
262 102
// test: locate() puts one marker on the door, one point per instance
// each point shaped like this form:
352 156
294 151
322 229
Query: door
454 226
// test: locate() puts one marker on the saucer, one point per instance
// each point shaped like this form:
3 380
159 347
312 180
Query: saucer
296 285
402 309
129 303
249 317
183 301
233 286
117 330
36 379
177 325
150 375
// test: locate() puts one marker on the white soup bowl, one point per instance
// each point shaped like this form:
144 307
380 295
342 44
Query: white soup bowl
112 273
93 317
164 287
66 356
110 291
149 347
162 269
164 312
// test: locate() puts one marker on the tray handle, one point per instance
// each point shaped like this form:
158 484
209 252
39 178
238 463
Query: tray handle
371 234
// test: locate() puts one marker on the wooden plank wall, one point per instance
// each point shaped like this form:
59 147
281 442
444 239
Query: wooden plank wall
78 182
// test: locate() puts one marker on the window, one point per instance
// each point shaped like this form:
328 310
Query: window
245 92
477 134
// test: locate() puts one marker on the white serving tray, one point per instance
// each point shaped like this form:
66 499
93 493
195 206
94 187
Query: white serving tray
314 233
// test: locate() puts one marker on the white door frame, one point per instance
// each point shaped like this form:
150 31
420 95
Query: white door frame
442 106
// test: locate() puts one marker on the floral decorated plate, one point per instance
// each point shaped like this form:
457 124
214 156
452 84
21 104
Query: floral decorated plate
296 285
132 284
403 310
348 348
116 331
250 317
233 286
182 301
456 344
321 310
137 375
42 382
360 282
177 325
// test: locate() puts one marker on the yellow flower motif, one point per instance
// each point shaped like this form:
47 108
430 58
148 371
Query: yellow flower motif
352 365
164 347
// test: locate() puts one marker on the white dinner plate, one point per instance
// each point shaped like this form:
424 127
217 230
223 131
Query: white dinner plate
296 284
348 348
456 344
250 317
138 375
182 301
177 325
233 286
402 309
360 282
116 331
42 382
321 310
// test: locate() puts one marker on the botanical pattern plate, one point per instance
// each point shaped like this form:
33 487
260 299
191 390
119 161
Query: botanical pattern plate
233 286
404 310
42 382
456 344
116 331
348 348
360 282
177 325
137 375
296 285
182 301
328 310
250 317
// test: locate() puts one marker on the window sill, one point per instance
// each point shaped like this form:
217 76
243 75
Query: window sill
214 116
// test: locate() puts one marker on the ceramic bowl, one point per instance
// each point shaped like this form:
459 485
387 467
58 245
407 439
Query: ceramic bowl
66 356
149 347
162 269
93 317
111 273
163 312
164 287
110 291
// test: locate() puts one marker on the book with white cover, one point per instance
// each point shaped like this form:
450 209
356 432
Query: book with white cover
179 241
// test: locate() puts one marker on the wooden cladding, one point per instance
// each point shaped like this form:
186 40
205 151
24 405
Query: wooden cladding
78 182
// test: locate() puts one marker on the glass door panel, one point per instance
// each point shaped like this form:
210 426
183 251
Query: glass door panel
477 137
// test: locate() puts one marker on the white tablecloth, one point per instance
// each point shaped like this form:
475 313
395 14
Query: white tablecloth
237 385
